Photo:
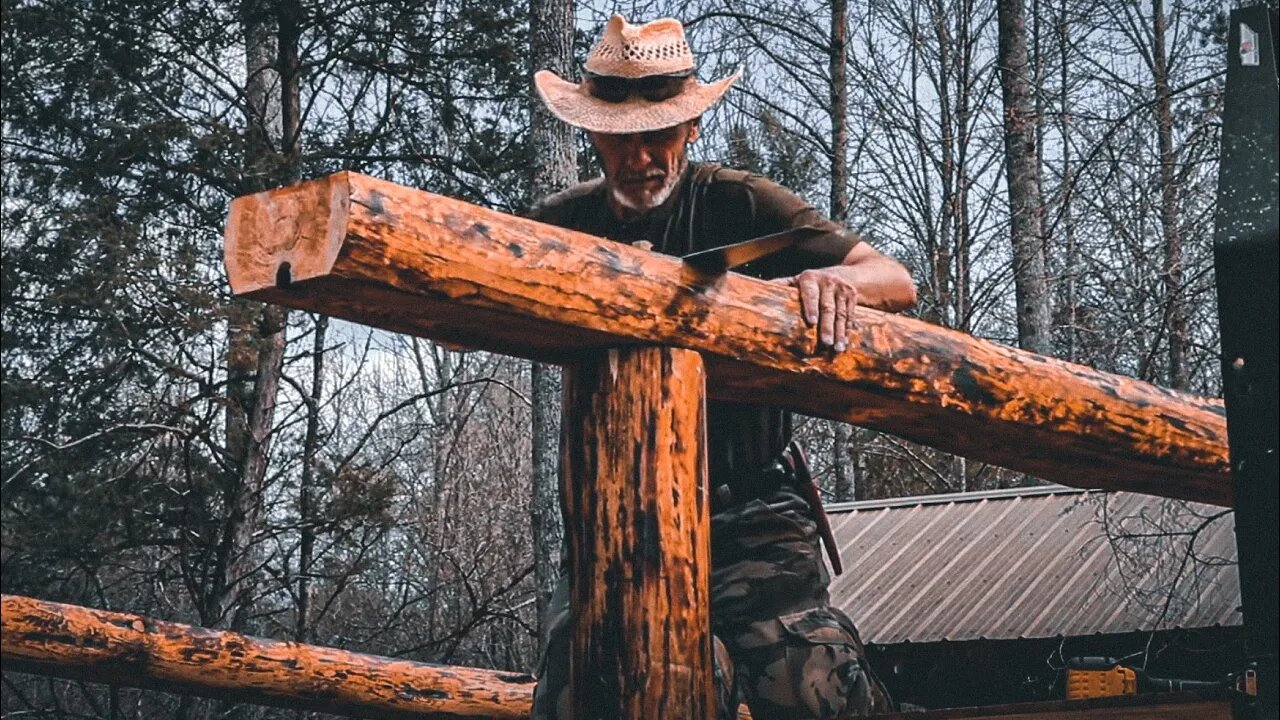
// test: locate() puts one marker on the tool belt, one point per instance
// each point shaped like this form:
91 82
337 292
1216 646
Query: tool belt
790 470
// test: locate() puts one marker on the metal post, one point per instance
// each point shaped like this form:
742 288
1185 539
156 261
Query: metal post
1245 257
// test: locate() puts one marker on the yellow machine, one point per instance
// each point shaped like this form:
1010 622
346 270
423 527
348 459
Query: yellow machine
1091 677
1094 677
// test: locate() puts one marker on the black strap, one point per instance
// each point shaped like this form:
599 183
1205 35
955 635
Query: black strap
754 486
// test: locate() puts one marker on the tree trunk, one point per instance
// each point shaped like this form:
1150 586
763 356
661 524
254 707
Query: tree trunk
962 246
844 451
1175 301
845 459
256 340
546 524
839 111
1065 223
941 255
262 120
554 167
1026 210
307 519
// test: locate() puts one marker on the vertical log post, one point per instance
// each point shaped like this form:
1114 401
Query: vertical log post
638 524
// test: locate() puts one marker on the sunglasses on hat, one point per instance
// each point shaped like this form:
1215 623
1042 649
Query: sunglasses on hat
654 88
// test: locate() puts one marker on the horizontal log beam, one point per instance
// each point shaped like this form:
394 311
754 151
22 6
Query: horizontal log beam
409 261
81 643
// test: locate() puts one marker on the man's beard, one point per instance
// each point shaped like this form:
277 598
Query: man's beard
653 200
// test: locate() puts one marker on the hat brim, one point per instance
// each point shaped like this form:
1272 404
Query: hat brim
574 105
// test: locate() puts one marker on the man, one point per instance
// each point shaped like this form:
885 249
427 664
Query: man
780 646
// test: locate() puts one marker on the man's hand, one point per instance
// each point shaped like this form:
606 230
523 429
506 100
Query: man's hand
827 300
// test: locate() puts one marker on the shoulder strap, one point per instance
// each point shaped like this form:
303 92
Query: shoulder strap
696 214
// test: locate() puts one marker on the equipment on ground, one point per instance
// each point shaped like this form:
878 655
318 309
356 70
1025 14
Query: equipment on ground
1094 677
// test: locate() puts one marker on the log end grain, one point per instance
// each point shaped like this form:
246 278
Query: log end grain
279 237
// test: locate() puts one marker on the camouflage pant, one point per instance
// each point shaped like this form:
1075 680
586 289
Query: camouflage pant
779 646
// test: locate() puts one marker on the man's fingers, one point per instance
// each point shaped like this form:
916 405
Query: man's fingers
809 299
843 306
828 304
827 314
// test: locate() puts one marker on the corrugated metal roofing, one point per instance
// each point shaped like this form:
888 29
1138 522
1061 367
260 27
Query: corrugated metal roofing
1030 563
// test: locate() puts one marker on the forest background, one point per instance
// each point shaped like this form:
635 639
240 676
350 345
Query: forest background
170 451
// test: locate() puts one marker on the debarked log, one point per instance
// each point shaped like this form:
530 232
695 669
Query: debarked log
638 526
82 643
410 261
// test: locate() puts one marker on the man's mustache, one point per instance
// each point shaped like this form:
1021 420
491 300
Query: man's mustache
636 179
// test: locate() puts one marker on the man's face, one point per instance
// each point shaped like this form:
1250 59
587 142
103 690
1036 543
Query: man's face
641 169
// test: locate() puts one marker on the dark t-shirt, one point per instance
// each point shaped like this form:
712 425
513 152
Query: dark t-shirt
714 206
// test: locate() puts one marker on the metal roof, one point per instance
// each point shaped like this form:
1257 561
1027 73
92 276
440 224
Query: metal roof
1032 563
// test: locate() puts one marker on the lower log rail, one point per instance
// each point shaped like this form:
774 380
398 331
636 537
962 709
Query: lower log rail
80 643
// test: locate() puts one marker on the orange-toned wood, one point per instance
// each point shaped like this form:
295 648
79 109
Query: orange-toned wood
410 261
639 532
82 643
70 641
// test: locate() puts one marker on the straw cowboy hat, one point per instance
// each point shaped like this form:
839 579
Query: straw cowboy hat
638 78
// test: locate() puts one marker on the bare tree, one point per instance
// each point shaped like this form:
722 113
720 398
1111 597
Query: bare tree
1026 208
1169 220
845 455
308 517
1133 159
257 342
554 168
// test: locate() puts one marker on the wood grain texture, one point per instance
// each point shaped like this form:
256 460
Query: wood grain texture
70 641
410 261
639 532
81 643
